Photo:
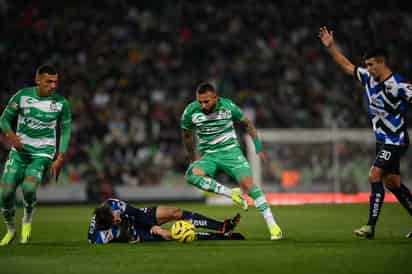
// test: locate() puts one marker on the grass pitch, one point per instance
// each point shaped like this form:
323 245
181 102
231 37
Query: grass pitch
318 240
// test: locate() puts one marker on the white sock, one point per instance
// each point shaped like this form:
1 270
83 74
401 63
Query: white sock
267 214
211 185
225 191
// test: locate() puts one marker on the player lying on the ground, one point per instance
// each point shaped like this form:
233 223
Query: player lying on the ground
117 221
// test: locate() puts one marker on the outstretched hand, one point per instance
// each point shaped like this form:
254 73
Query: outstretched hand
55 168
14 140
326 36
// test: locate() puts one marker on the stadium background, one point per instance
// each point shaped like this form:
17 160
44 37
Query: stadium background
130 68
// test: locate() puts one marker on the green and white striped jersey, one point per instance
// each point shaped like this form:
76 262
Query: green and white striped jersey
37 120
215 131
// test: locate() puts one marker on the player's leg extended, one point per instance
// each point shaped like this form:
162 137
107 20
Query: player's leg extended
167 214
34 174
9 182
262 206
200 175
392 178
235 164
376 199
402 193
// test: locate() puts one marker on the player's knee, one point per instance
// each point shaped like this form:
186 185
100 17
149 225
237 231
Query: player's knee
29 191
392 181
197 171
246 183
375 175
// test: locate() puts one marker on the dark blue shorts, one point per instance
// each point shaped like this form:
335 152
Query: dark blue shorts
388 157
142 220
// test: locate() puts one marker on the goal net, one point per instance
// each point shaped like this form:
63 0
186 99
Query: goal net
317 161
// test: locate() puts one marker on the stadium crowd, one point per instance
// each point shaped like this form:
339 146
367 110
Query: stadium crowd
129 68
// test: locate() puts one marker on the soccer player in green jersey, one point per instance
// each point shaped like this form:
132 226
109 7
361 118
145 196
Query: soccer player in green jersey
211 118
39 111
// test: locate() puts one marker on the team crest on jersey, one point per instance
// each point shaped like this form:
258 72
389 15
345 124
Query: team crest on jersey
224 114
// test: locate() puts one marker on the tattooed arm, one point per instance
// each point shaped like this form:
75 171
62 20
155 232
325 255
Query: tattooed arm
187 137
251 130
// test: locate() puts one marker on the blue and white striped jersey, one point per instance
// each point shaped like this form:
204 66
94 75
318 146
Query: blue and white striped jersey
387 104
105 236
136 219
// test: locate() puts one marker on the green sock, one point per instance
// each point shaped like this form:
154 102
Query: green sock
261 204
7 207
29 201
8 215
209 184
258 198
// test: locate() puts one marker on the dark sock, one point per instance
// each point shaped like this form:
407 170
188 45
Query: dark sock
202 221
375 202
404 197
218 236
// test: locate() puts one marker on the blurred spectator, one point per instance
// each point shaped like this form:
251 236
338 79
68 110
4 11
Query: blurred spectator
130 67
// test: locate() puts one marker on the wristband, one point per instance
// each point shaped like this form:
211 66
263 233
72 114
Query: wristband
258 145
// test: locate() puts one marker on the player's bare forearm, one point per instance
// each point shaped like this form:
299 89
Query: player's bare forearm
326 37
250 128
187 137
341 60
57 165
164 233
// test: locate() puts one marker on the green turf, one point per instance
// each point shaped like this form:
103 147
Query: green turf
318 240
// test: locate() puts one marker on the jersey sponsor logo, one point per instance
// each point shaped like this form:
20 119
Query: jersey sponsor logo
106 235
375 100
92 226
144 209
34 123
200 223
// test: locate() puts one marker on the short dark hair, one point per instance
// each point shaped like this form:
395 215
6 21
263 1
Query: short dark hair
103 217
205 87
46 69
376 52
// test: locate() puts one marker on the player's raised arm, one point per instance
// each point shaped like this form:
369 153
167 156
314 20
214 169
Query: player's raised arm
326 37
188 143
